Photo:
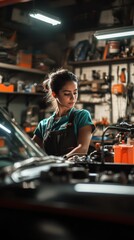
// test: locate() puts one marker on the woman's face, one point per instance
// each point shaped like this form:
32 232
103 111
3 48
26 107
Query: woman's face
67 96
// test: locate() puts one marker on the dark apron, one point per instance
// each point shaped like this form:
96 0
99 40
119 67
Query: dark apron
60 142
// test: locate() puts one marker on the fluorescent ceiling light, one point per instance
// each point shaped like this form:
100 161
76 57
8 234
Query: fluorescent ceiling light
45 17
115 33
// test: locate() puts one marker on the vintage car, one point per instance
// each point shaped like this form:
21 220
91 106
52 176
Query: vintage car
48 197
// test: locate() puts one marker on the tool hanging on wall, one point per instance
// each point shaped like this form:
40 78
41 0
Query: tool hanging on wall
123 75
130 93
119 88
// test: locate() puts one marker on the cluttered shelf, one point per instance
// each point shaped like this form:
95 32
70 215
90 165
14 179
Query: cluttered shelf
18 68
101 61
94 92
10 96
23 93
20 81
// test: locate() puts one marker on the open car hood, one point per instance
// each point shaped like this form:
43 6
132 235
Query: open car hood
59 199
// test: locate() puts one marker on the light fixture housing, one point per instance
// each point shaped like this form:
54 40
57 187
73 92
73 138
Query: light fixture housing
45 17
115 33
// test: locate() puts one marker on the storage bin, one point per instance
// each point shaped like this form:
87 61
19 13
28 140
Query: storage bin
24 59
118 88
6 88
124 153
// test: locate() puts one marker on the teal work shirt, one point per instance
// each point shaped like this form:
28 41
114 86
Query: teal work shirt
82 118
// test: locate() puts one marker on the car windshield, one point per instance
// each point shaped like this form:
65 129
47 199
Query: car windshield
15 144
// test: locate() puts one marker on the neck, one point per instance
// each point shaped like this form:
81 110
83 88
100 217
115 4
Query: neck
61 113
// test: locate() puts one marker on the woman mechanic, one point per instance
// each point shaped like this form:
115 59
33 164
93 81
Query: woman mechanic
68 131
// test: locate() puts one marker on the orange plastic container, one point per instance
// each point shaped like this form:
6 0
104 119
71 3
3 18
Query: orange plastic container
118 88
124 153
29 129
5 88
24 59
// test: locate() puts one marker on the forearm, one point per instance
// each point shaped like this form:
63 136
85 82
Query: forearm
79 150
83 146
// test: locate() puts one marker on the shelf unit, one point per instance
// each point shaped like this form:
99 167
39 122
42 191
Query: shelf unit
101 62
10 96
90 98
111 64
17 101
22 69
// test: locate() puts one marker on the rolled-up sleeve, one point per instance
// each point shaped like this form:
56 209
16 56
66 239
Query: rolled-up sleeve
83 118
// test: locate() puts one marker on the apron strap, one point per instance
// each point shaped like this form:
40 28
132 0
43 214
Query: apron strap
49 124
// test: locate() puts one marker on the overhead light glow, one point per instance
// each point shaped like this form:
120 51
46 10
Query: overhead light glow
115 33
45 17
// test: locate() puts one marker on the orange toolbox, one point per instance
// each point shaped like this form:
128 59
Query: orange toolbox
6 88
124 153
118 88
